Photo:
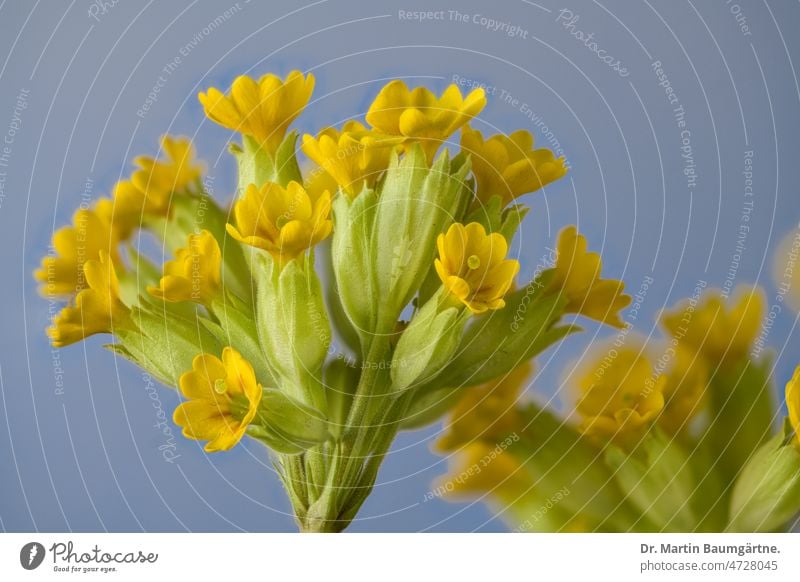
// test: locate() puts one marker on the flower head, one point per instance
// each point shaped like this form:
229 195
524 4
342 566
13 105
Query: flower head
718 328
97 308
508 166
90 233
473 266
224 396
262 109
684 387
283 222
619 400
194 273
500 475
487 412
355 157
577 276
159 179
421 117
793 403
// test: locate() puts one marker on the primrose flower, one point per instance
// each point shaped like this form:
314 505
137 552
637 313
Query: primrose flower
577 276
224 396
716 327
90 233
619 400
283 222
159 179
355 157
262 109
508 166
486 412
97 309
683 387
194 273
473 266
793 403
419 116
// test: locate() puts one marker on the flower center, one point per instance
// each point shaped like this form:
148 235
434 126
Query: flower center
219 386
473 262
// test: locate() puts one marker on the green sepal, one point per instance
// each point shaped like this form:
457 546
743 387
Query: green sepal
350 255
766 495
257 166
416 204
237 328
341 380
164 344
428 343
293 326
429 404
496 343
301 424
657 478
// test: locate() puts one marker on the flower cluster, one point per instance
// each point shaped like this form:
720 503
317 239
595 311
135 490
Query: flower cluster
416 280
660 425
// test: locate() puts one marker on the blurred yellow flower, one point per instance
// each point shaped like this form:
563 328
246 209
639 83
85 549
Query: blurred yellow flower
718 328
684 386
355 157
63 273
473 266
577 276
793 403
262 109
508 166
421 117
283 222
224 396
486 412
618 400
160 179
97 309
194 273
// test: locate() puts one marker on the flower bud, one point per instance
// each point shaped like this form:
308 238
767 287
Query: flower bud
293 326
428 343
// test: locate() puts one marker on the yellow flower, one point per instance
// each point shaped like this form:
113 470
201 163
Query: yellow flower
577 276
194 273
159 179
618 400
97 309
473 266
508 166
90 233
421 117
486 412
684 387
355 157
793 403
223 399
262 109
283 222
715 328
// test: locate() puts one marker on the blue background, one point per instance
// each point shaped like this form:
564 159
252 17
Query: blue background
88 459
